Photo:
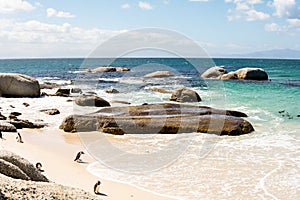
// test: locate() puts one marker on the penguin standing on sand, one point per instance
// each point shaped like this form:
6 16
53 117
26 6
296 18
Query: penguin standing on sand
77 159
1 136
97 187
39 166
19 138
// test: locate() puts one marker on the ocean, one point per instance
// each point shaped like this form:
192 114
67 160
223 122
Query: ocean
260 165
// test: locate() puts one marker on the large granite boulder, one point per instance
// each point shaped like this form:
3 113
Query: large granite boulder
160 118
94 101
159 74
27 190
241 74
185 95
251 74
15 166
18 85
75 123
214 72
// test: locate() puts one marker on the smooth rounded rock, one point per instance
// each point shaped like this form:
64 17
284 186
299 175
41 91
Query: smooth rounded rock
18 85
91 101
214 72
185 95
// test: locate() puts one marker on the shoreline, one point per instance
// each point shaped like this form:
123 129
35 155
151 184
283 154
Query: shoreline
61 169
56 149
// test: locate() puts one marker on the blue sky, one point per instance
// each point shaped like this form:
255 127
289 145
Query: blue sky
73 28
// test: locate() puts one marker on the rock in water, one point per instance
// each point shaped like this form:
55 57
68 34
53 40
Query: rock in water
112 91
251 74
104 69
246 74
91 101
159 74
160 118
241 74
214 72
229 76
185 95
18 85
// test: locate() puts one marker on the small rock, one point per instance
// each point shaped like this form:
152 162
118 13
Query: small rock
91 101
112 91
20 123
159 74
2 117
76 90
160 90
53 111
63 92
26 104
122 69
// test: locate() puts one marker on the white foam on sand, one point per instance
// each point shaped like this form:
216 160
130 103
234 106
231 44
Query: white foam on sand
32 112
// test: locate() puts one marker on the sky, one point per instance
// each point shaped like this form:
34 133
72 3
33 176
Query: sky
74 28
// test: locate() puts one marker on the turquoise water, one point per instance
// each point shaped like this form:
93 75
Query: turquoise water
262 165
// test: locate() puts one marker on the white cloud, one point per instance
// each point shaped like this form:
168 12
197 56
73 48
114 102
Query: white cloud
244 9
273 27
125 6
8 6
253 15
145 5
51 12
293 22
284 8
290 28
45 39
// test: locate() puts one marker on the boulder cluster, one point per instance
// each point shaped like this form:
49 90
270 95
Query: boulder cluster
241 74
20 179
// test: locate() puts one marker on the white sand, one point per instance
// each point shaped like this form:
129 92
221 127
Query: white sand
56 150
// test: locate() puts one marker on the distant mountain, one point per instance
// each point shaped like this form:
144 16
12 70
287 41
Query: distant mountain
275 53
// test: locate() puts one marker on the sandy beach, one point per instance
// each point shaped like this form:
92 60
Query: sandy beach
56 150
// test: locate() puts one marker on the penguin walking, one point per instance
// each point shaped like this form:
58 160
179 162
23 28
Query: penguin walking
97 187
39 166
1 136
77 159
19 138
